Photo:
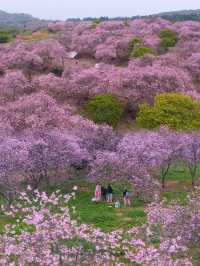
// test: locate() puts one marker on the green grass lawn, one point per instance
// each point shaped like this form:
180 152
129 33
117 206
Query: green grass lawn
5 220
107 217
180 174
194 251
104 215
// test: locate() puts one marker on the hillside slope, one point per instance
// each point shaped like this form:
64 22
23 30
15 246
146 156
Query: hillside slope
21 21
181 15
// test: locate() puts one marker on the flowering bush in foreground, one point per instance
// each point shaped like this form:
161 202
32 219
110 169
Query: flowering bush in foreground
44 234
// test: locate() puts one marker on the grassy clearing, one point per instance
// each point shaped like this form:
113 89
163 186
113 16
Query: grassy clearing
180 196
180 174
5 220
104 215
37 36
194 252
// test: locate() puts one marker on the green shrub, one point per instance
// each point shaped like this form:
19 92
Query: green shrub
141 51
168 39
95 23
57 70
105 108
8 32
175 110
4 38
126 24
136 48
135 42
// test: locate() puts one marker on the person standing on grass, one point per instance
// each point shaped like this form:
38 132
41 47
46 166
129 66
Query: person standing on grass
109 194
126 198
103 192
98 193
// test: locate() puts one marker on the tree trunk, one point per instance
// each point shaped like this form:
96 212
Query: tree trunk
193 182
163 182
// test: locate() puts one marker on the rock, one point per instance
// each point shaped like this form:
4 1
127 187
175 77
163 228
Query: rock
72 55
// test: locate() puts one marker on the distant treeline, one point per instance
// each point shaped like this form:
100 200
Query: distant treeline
24 22
172 16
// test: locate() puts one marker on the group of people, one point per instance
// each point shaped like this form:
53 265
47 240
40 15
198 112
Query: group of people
106 193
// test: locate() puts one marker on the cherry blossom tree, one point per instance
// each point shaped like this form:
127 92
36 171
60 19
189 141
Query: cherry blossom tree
115 167
56 87
193 65
27 61
35 112
191 153
93 137
153 151
51 52
52 153
13 155
13 85
176 221
57 26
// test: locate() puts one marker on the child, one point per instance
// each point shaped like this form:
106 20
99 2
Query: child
117 204
126 198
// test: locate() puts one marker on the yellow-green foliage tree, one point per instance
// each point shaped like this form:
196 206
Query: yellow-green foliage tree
141 51
137 49
175 110
168 39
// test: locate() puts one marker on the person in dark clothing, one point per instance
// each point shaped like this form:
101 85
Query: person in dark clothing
104 192
109 194
126 198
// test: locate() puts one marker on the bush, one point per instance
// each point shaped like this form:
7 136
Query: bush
146 117
4 38
175 110
136 48
57 70
141 51
168 39
126 24
95 23
105 108
133 43
7 33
